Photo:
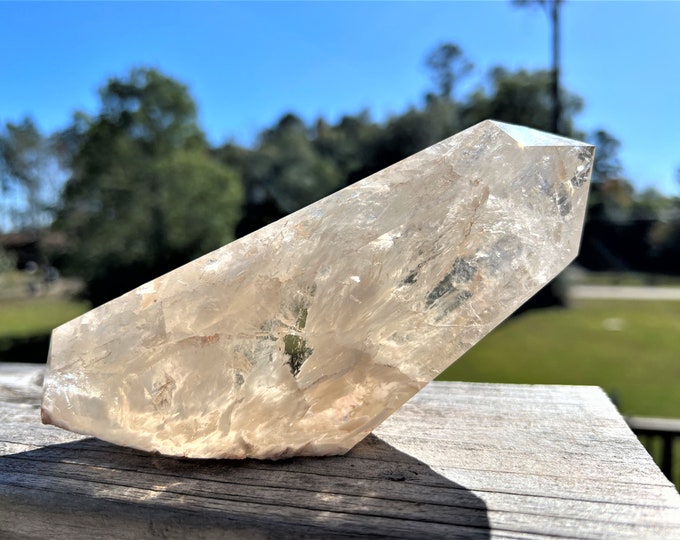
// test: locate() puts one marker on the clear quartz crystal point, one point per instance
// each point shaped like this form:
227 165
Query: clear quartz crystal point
302 337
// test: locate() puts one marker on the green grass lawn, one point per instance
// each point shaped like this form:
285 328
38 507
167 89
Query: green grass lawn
33 316
629 348
26 323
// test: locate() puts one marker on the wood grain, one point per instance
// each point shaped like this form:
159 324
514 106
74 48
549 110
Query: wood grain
459 461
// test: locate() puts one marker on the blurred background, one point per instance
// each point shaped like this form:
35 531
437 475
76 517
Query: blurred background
136 137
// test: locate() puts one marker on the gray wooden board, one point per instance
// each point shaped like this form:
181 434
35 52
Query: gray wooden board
460 460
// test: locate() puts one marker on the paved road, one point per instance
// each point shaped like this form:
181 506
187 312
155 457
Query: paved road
613 292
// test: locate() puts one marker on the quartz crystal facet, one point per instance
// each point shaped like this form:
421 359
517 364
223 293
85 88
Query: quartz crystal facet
302 337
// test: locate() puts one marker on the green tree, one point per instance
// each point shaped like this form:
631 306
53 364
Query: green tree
652 204
447 65
347 143
408 133
289 167
522 97
607 165
144 195
29 176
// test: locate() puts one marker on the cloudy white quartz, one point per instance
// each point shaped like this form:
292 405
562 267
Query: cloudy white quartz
300 338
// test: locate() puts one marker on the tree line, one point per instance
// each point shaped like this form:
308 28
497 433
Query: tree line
136 189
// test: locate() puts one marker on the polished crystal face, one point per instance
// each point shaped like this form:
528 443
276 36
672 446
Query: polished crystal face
302 337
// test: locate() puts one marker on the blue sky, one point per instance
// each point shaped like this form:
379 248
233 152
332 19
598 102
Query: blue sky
247 63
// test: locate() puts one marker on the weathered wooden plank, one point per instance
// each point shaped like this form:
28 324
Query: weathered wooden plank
20 383
459 461
249 489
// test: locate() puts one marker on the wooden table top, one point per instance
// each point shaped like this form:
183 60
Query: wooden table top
460 460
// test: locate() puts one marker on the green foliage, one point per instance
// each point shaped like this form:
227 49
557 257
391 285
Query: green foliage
145 195
347 143
607 165
629 348
20 153
522 97
295 164
415 130
153 110
200 199
447 64
290 168
651 204
615 200
27 171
